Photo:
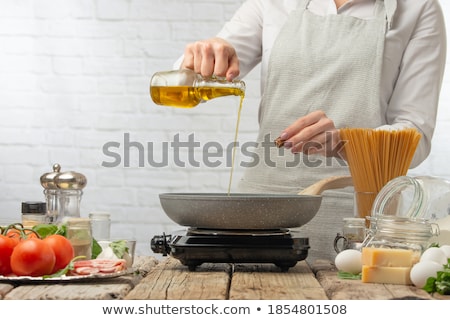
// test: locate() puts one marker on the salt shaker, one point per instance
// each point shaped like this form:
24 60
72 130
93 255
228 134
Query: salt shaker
101 225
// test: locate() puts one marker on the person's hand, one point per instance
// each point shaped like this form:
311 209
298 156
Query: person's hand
314 133
214 56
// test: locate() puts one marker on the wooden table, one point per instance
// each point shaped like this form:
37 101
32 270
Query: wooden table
169 280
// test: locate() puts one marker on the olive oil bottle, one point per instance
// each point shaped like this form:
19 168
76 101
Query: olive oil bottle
186 89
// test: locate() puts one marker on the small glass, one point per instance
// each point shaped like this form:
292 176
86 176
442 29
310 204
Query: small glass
353 234
128 256
101 225
79 234
131 244
363 204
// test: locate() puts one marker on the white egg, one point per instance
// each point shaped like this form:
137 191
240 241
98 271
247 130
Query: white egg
434 254
422 270
446 249
349 261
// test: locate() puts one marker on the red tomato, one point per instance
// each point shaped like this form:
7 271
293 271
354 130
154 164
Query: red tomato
63 250
6 248
32 257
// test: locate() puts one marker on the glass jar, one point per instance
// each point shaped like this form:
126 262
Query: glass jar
416 198
353 234
33 213
80 235
400 233
186 89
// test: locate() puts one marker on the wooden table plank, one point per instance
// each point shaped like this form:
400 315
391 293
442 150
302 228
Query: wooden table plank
4 289
105 289
170 280
344 289
266 282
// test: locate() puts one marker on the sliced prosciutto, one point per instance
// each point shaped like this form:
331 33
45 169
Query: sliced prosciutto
98 266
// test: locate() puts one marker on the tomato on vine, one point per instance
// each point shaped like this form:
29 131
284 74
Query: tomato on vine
63 249
6 248
32 257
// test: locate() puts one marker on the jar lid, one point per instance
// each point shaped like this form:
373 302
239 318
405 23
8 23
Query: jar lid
34 207
70 180
403 196
48 179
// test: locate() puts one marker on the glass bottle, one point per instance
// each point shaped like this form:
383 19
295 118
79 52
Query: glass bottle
80 235
186 89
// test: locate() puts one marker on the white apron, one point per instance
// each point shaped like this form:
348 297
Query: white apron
330 63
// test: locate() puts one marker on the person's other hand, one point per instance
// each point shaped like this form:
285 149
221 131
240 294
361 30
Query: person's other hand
314 133
214 56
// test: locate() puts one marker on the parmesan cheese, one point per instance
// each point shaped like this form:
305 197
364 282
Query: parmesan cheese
387 257
392 275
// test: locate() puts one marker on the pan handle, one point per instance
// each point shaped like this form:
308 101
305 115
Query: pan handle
335 182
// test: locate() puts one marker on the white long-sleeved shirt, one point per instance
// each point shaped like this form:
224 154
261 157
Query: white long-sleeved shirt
414 57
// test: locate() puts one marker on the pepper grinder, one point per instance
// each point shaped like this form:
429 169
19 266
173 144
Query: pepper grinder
64 191
51 193
70 185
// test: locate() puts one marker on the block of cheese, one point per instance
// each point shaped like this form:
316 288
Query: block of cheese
387 257
392 275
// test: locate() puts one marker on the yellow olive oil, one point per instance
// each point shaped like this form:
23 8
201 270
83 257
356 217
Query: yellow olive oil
235 142
187 96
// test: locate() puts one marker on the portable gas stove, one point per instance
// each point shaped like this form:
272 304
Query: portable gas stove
194 246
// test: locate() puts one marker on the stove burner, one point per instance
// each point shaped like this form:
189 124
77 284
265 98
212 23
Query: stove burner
236 232
193 247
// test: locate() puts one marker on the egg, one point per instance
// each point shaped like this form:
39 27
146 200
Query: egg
446 249
349 261
422 270
434 254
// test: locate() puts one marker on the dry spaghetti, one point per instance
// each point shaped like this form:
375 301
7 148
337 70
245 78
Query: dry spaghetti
375 157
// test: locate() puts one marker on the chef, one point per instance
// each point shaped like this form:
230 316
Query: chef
325 65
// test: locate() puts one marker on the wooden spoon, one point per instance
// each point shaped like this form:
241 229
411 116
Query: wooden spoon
334 182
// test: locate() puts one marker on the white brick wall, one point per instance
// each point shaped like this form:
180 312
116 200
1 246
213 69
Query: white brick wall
74 75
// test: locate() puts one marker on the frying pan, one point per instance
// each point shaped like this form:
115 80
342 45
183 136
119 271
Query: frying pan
247 210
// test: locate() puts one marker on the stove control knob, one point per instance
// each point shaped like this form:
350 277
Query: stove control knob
159 244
